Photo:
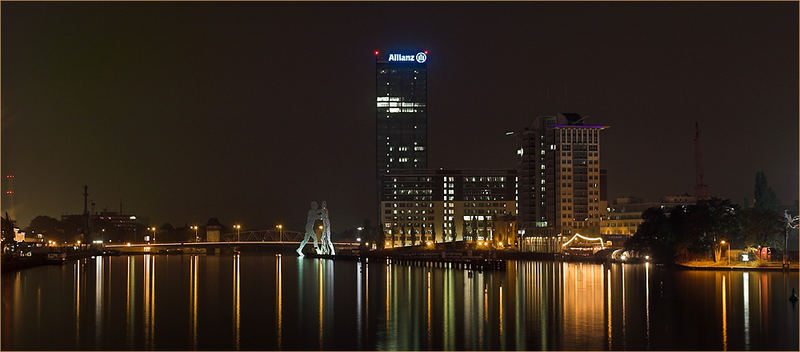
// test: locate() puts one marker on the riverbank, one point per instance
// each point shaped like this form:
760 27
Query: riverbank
14 263
747 266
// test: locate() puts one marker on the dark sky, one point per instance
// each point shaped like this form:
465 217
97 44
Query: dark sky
248 111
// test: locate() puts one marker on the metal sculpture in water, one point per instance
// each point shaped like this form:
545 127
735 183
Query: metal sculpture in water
314 214
327 245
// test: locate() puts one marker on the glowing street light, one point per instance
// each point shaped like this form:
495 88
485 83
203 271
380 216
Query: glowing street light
194 227
280 232
729 250
238 228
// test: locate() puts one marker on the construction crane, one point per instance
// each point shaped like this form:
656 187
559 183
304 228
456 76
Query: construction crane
701 189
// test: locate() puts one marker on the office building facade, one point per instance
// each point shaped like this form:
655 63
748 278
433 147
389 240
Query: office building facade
401 115
559 180
438 206
401 110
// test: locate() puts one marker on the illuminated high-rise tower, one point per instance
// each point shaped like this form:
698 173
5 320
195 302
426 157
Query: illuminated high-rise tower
559 180
401 92
401 114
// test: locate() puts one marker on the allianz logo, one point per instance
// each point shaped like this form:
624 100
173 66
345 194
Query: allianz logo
420 57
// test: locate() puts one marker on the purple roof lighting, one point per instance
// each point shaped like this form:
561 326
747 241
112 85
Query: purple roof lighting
590 126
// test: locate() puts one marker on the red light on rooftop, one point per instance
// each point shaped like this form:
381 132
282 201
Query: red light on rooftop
9 176
426 52
376 52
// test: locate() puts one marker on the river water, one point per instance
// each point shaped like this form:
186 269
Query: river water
264 302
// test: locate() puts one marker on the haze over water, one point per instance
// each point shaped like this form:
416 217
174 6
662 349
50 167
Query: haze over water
264 302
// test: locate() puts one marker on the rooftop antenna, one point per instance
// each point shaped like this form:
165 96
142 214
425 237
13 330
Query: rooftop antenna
85 211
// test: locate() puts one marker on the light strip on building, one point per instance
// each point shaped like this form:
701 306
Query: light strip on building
600 239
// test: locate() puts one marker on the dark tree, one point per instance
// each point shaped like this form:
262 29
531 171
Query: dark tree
761 227
654 236
49 227
711 221
694 229
8 229
763 195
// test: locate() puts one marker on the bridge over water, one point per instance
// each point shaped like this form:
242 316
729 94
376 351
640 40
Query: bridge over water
250 239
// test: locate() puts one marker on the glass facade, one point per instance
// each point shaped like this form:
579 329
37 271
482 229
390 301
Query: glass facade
401 111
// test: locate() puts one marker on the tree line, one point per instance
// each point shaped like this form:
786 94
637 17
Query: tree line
685 231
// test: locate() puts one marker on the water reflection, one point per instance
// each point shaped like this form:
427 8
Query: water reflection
746 302
77 300
532 305
279 299
193 261
428 308
609 311
647 302
236 302
582 303
319 288
130 302
98 299
724 318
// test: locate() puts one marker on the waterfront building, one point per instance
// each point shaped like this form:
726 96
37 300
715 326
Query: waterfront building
401 112
105 226
401 94
213 230
624 215
559 180
428 205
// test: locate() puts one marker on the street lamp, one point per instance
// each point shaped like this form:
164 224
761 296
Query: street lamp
280 230
238 227
154 233
358 239
194 227
729 250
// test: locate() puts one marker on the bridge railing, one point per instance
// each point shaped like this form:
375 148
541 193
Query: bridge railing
263 235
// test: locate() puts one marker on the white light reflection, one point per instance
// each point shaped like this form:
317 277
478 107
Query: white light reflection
746 293
647 301
279 295
98 299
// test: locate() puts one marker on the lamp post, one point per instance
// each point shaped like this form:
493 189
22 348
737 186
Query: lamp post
154 233
280 232
196 238
792 222
729 250
238 228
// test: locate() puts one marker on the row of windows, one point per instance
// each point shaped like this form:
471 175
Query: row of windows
496 205
578 224
409 211
485 211
579 135
623 224
396 104
417 218
412 191
485 179
408 205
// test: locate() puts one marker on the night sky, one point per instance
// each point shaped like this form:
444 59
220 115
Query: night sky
248 111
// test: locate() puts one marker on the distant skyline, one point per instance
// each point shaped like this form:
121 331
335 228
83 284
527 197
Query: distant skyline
249 111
